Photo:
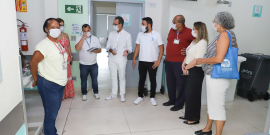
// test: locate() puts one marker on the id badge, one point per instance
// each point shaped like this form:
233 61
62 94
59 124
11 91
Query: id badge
115 50
176 41
64 65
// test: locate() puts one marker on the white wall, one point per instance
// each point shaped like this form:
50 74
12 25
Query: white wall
252 33
37 12
166 21
154 13
10 88
51 9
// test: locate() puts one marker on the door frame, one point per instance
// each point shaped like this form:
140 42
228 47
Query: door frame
120 1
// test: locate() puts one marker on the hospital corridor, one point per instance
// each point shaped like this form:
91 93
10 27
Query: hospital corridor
134 67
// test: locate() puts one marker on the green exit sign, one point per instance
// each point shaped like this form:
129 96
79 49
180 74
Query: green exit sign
77 9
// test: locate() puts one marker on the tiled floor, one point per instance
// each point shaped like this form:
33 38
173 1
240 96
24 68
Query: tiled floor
101 117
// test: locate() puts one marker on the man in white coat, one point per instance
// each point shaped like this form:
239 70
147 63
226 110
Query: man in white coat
119 45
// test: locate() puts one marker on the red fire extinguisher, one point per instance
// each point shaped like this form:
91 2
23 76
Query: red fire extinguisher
24 41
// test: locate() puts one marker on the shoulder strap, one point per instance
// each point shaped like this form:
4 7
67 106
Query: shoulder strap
230 38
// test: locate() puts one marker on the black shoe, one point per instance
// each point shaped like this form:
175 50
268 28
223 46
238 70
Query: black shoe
194 123
182 117
168 104
176 108
200 132
196 132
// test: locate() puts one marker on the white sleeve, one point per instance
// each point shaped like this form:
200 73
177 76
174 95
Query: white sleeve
160 41
201 49
108 46
129 43
138 39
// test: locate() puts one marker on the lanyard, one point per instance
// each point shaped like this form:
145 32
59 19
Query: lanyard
88 43
60 49
177 34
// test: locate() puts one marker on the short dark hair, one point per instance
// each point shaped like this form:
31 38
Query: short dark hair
59 20
148 21
85 26
120 20
45 25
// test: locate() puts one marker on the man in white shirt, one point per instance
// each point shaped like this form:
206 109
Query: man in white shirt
150 46
89 46
119 45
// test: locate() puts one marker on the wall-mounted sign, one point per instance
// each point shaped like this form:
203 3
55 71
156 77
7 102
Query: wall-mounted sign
152 5
75 29
21 5
257 11
77 9
127 19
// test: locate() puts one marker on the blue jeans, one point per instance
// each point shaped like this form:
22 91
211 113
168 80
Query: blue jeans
85 71
51 95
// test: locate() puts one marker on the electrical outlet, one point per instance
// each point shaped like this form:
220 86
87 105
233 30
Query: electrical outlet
73 38
74 78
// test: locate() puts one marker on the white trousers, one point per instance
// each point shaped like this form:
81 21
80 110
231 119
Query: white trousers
216 92
120 68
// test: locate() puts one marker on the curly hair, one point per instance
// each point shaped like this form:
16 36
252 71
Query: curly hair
225 19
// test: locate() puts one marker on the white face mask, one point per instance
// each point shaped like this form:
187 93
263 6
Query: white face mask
62 28
88 34
215 29
143 28
193 33
54 33
174 26
115 27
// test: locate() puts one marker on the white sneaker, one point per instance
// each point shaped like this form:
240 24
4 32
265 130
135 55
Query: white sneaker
153 101
138 100
111 97
96 96
123 98
84 97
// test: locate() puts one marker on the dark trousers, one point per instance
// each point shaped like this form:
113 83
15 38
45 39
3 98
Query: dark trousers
85 70
145 67
193 94
51 95
175 82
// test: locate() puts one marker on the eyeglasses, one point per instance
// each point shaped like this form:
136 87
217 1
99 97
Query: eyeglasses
62 25
115 24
